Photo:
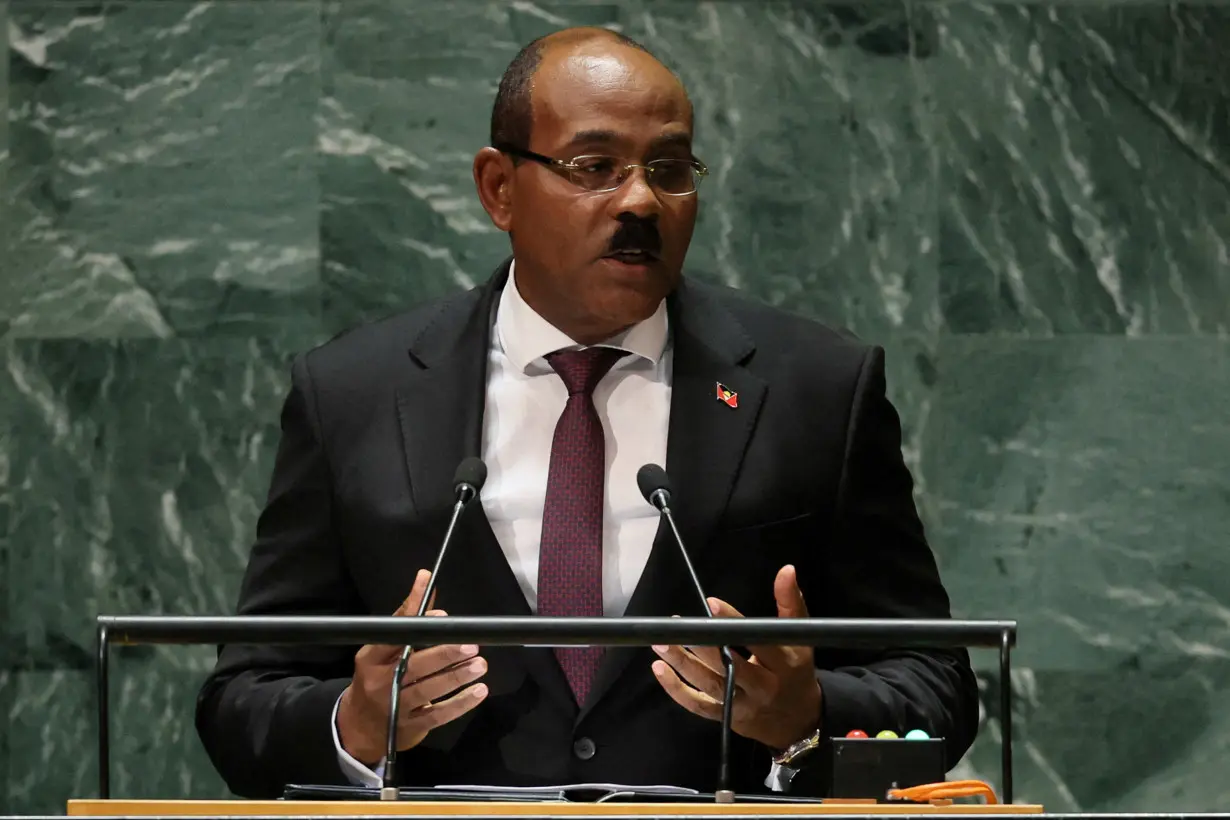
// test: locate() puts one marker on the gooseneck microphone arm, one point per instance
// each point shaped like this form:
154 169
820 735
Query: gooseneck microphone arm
655 486
467 482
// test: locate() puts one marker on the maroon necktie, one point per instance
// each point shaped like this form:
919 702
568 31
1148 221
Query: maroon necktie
570 557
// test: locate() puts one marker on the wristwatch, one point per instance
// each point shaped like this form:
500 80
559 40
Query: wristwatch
787 763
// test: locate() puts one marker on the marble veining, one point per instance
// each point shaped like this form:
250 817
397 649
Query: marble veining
1086 168
166 196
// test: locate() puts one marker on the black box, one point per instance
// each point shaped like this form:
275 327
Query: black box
869 767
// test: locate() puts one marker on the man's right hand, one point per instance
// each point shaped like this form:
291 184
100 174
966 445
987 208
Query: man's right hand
432 673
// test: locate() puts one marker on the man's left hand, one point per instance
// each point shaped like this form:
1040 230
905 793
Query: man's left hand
777 696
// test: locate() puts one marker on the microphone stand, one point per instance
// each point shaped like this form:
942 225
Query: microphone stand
388 788
724 794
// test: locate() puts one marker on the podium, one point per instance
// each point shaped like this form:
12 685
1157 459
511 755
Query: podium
294 808
544 631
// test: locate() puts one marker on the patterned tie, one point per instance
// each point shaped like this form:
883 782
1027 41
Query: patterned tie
570 558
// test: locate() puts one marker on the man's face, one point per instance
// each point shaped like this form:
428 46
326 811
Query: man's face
597 262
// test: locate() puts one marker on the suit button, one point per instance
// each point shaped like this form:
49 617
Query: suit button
584 749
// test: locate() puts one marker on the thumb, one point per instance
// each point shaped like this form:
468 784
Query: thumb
385 653
410 606
789 597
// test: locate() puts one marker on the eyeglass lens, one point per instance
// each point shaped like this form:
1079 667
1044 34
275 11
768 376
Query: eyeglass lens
597 173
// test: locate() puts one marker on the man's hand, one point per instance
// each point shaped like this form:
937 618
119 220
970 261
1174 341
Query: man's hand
777 696
431 674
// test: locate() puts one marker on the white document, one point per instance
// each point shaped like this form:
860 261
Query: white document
574 787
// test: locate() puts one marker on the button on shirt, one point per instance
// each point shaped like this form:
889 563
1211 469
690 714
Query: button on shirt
523 403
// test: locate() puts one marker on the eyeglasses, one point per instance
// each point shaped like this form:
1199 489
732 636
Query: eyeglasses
600 174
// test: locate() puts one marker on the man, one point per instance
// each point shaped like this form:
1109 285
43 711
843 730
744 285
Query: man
584 357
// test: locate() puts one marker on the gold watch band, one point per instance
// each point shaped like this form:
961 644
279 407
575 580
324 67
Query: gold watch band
798 750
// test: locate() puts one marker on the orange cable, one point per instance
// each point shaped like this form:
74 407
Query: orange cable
945 790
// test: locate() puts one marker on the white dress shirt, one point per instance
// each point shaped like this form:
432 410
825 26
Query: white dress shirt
524 400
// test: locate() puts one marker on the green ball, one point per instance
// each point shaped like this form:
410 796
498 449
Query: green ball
887 734
917 734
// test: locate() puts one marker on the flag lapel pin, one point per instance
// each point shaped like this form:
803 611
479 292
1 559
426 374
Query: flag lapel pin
727 396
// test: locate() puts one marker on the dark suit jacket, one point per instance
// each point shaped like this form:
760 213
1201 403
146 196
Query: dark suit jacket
807 470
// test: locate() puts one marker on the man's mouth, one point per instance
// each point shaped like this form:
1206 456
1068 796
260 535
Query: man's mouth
634 257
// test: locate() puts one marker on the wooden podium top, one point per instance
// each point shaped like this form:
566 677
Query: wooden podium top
321 808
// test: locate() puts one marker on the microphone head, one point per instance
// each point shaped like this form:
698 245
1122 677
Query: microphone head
471 472
650 479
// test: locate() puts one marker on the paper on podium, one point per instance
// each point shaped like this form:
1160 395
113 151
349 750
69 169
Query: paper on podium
548 791
565 793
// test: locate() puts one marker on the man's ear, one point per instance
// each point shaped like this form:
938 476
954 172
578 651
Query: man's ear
494 181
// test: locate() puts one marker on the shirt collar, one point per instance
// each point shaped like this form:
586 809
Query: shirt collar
525 337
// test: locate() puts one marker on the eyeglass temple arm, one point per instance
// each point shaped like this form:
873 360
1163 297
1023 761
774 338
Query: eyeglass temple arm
531 155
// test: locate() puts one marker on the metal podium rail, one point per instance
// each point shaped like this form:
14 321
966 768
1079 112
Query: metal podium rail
554 631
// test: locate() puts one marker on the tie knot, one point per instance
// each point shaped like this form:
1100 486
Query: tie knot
581 370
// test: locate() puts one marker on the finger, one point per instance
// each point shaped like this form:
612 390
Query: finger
750 678
698 703
776 659
450 679
377 655
696 674
386 653
428 661
756 683
710 656
418 589
721 609
430 613
790 603
420 721
382 655
702 669
744 670
750 672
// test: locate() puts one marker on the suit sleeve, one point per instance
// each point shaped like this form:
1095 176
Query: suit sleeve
880 566
265 713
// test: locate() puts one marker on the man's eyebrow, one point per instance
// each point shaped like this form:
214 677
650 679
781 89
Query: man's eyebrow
600 136
675 140
593 136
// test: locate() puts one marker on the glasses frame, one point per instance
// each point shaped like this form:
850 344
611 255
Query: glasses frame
566 167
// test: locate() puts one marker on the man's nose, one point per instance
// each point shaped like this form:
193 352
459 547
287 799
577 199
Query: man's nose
635 196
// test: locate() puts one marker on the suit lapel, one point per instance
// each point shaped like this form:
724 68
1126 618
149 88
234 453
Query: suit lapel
440 406
706 440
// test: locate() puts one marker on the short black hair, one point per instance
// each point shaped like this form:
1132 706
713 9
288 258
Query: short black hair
512 114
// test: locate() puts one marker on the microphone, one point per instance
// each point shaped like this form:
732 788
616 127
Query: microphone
655 485
467 482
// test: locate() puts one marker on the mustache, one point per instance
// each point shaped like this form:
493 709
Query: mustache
636 235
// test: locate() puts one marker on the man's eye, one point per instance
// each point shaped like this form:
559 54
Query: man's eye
596 166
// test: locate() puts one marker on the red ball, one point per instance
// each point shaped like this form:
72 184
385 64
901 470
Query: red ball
856 733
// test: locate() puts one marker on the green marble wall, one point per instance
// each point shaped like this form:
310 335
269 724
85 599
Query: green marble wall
1028 204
